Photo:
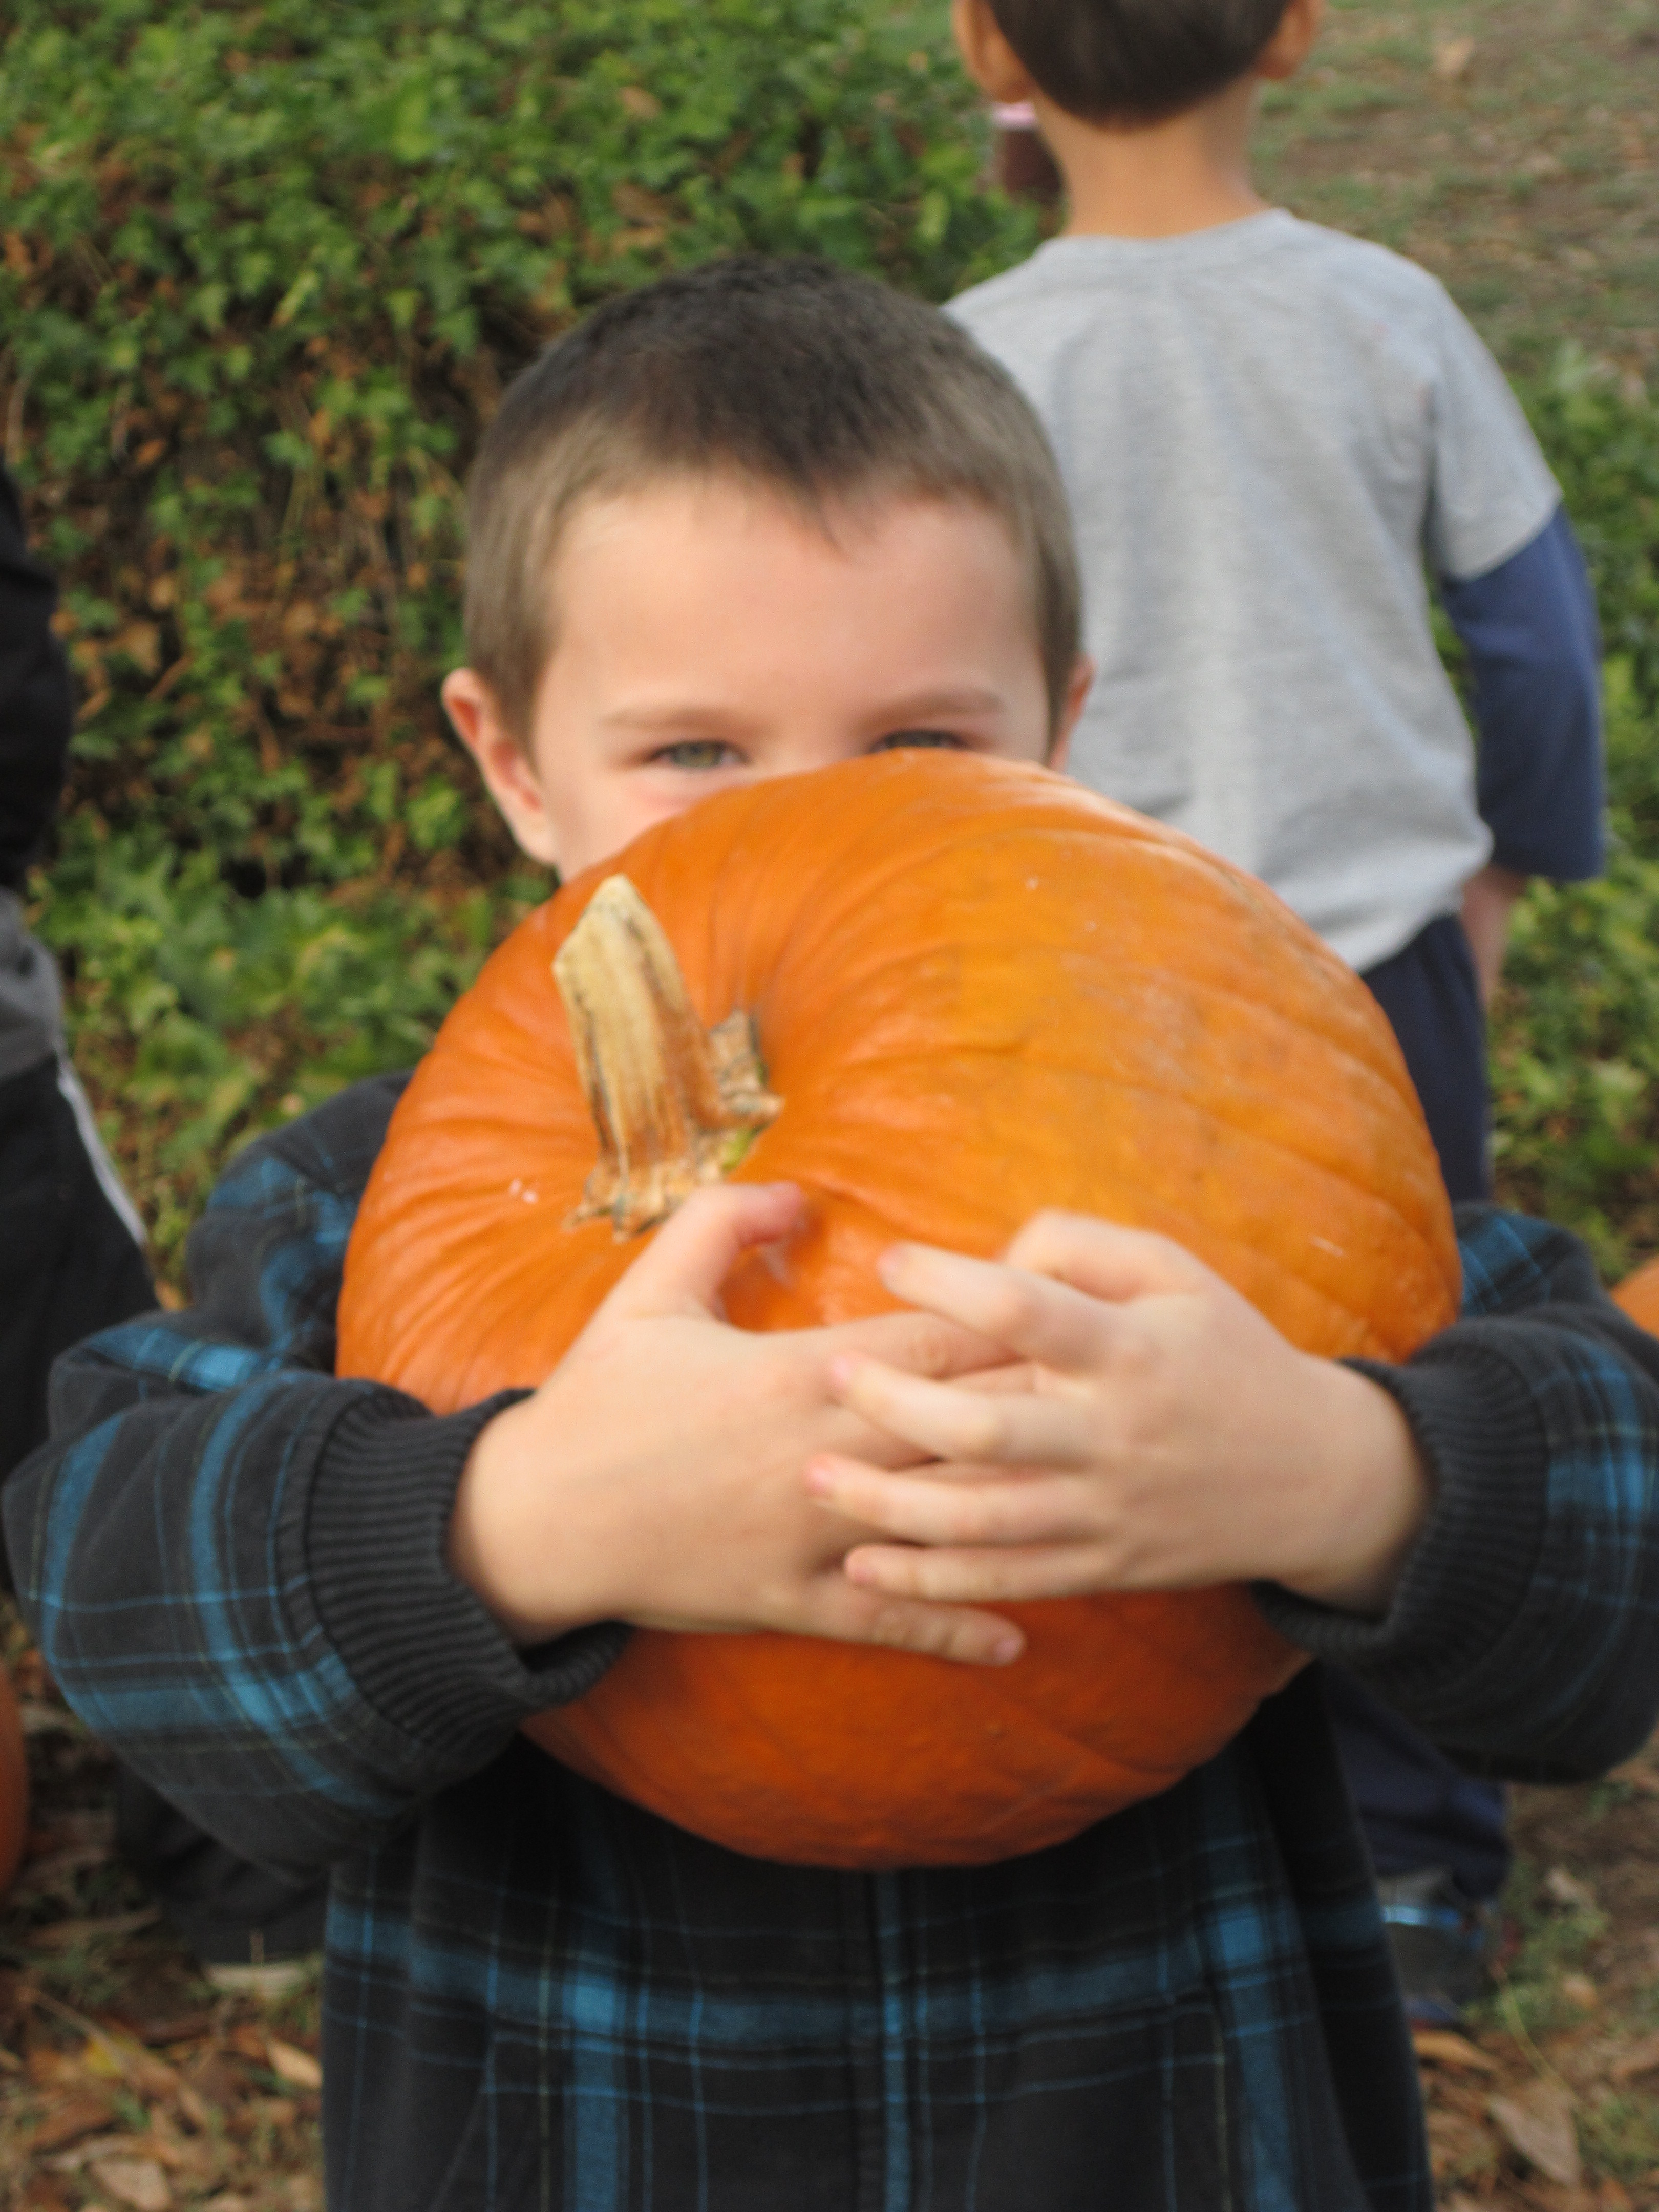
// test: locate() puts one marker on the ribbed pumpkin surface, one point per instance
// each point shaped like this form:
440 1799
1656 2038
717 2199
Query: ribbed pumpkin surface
1639 1294
979 990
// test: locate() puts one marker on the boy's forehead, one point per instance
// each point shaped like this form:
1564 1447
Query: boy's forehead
662 532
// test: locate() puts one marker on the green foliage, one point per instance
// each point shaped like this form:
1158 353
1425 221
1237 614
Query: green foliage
207 1014
1576 1034
267 269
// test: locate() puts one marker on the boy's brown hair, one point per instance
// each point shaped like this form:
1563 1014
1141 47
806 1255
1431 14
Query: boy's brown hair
1136 61
825 388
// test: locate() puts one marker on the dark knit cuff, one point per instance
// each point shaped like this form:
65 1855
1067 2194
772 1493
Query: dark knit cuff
421 1646
1468 1579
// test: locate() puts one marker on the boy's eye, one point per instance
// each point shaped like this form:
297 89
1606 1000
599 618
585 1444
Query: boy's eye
901 740
697 753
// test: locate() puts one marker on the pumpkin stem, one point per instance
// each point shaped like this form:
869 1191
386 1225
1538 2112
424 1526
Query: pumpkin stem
675 1105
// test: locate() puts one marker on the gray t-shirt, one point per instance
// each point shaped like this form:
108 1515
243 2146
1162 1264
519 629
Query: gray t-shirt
1265 430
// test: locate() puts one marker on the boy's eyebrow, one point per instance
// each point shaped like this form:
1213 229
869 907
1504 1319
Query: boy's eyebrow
908 710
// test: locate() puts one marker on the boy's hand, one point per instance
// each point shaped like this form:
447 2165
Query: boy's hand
1163 1436
655 1476
1489 901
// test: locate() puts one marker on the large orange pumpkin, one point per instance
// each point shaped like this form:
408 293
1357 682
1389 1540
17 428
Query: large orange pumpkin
978 991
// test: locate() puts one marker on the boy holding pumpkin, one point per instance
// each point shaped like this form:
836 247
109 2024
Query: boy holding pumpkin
752 520
1301 423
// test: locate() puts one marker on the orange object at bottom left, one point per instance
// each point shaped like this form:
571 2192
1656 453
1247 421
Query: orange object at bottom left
13 1785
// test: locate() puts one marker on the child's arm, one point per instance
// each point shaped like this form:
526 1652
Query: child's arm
1529 628
1493 1571
237 1565
1489 903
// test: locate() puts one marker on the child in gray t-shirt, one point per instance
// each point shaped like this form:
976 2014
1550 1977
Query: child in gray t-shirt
1269 433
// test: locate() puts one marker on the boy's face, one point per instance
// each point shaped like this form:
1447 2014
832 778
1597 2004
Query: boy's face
709 634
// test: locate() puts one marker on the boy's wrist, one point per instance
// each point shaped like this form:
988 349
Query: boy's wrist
487 1547
1468 1575
421 1648
1376 1499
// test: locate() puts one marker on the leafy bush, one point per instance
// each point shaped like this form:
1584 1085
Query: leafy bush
265 271
1575 1033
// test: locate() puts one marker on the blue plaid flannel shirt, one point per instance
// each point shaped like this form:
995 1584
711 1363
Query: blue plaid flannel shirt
538 1996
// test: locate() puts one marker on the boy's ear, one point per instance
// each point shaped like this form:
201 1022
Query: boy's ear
1292 43
987 56
1077 692
504 762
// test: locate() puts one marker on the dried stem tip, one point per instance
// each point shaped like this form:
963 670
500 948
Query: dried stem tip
675 1106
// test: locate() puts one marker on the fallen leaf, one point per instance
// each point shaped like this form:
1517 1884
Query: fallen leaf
1460 2144
49 2069
1643 2058
76 2116
1579 1989
138 2182
1442 2048
295 2066
1566 1891
170 2028
214 2079
39 1718
1539 2124
117 2056
65 1935
195 2109
42 2194
1452 57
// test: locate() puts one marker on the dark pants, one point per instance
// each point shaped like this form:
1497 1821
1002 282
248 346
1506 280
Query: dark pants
68 1263
69 1267
1417 1808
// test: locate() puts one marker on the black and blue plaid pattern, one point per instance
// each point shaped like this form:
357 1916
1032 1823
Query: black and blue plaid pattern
540 1996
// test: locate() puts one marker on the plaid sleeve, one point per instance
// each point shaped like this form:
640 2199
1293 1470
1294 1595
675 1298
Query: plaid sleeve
235 1564
1525 1635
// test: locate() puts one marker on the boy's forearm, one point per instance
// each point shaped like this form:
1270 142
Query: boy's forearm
1524 1633
233 1561
245 1594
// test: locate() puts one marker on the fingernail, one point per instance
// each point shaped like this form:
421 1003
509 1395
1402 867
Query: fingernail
892 1263
820 1479
1007 1649
843 1371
